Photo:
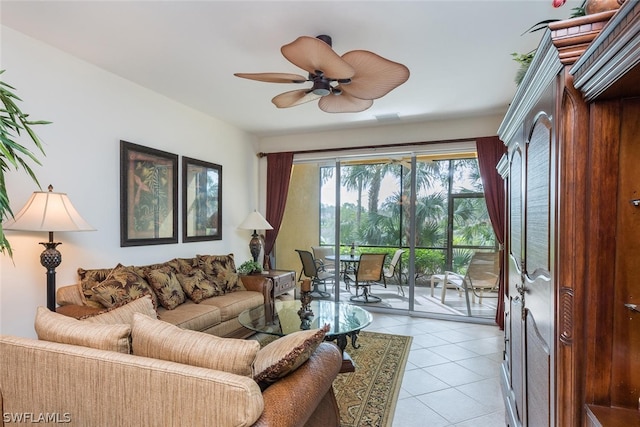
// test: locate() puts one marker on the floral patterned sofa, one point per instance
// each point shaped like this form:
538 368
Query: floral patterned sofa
203 293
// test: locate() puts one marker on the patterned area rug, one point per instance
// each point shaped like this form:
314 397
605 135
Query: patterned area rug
368 396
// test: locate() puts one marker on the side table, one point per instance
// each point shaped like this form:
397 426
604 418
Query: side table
281 281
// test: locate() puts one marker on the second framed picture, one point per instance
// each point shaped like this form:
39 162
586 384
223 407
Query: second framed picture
201 200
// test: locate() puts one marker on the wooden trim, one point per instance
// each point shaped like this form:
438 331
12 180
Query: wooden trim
572 36
612 56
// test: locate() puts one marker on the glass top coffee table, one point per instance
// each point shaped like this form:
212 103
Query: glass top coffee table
344 320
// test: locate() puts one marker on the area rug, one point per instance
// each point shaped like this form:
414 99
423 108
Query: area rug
368 396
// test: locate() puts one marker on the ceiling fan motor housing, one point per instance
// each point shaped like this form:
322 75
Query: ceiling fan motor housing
321 85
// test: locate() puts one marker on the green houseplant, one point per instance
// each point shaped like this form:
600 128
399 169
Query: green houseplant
250 267
13 125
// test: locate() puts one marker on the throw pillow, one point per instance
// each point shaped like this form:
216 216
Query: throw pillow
197 286
285 355
162 340
51 326
182 265
89 279
165 283
122 285
221 269
123 314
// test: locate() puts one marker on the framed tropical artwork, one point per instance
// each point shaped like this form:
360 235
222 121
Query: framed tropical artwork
148 196
201 200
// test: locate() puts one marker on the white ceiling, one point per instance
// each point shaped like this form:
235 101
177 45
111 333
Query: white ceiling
458 52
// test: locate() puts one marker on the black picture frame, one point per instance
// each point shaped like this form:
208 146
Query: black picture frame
148 196
201 200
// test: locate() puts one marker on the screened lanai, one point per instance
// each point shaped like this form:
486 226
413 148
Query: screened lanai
428 201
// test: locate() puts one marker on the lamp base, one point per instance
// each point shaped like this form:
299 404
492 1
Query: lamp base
50 258
255 246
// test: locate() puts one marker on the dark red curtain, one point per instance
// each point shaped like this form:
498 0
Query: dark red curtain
490 151
278 176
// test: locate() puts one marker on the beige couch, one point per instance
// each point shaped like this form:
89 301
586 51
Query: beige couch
203 293
83 375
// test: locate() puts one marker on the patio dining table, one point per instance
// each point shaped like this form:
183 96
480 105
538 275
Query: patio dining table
349 265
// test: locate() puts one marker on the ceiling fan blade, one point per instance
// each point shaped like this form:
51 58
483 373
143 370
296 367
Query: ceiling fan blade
375 76
273 77
312 55
343 103
293 98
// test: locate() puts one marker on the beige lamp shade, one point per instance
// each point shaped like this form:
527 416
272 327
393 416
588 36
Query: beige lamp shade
255 221
48 211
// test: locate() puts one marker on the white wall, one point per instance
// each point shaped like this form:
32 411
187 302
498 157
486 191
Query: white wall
91 111
401 133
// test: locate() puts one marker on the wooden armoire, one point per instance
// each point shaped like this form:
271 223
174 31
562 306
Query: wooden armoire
572 253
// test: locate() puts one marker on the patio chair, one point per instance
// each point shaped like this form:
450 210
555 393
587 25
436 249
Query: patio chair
370 271
394 271
314 270
320 253
482 276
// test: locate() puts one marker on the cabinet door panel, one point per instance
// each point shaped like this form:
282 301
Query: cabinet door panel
538 374
538 198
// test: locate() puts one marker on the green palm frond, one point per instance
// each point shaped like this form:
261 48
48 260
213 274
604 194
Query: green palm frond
13 155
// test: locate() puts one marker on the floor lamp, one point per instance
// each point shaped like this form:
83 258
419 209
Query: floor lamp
254 221
48 211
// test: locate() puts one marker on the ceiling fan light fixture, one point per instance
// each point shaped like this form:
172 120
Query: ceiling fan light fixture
321 87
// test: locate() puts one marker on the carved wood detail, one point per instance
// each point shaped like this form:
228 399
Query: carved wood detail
573 36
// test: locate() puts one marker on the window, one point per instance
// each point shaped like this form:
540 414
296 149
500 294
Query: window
451 216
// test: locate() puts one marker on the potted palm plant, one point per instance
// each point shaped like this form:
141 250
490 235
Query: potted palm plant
13 125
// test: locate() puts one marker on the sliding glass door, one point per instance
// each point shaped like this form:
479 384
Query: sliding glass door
430 207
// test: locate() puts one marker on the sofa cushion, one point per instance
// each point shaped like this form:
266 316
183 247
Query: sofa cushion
162 340
88 279
231 305
51 326
285 355
164 282
189 315
197 286
121 285
123 314
221 269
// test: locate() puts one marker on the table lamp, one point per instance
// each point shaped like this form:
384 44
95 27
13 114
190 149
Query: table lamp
48 211
254 221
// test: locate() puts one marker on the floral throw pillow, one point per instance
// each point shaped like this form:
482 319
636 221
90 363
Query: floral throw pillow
197 286
182 265
221 269
165 283
122 285
284 355
88 279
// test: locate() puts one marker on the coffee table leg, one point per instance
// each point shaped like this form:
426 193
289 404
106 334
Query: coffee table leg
354 338
347 362
341 340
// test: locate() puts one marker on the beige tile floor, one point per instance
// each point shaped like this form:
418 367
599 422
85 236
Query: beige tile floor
452 375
